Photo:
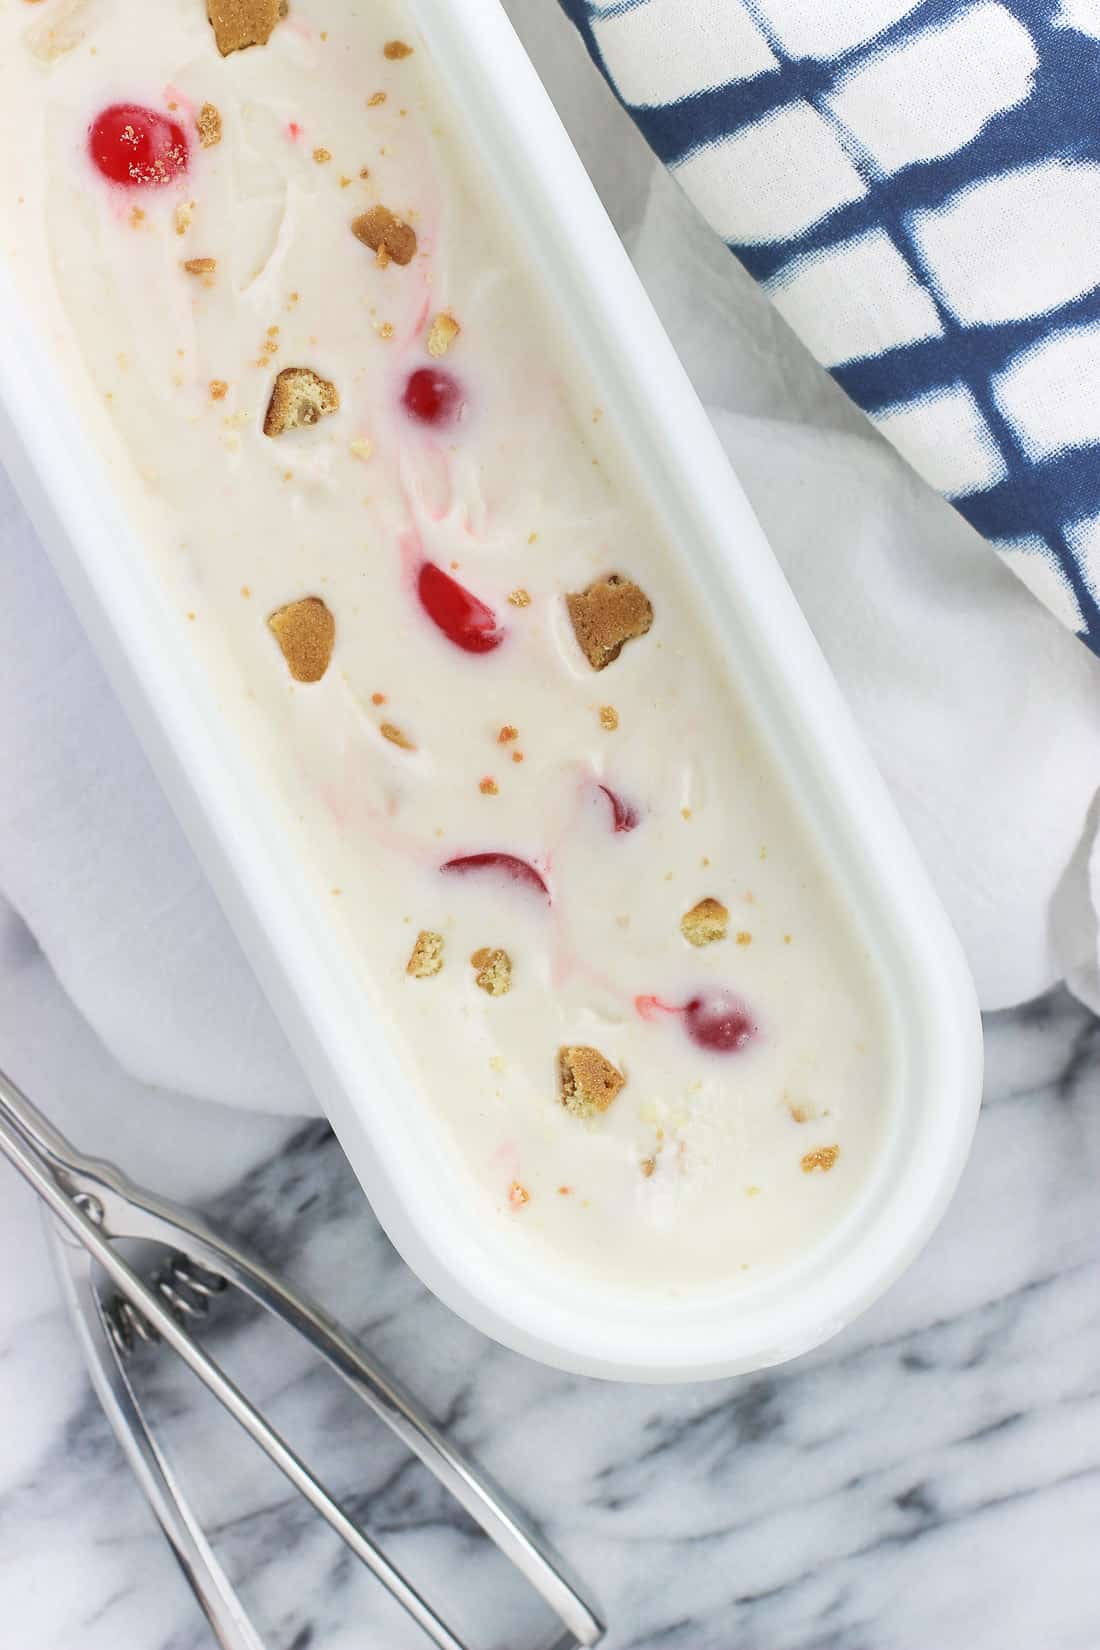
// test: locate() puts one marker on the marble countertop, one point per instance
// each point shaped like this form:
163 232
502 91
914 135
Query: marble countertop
928 1481
930 1478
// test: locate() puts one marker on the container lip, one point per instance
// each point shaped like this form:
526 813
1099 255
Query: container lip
355 1070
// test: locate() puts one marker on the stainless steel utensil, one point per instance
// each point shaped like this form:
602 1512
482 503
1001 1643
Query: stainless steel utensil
90 1204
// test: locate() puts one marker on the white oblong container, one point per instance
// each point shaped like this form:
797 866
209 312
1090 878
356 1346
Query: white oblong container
392 1138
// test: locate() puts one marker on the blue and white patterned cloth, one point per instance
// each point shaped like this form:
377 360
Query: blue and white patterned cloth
916 183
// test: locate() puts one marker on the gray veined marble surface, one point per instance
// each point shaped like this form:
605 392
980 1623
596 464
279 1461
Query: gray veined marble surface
928 1481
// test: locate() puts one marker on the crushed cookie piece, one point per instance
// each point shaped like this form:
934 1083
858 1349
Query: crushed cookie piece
442 333
182 217
801 1114
378 698
609 718
494 970
386 329
606 616
361 448
200 266
375 99
488 786
395 50
219 389
588 1081
208 124
427 955
238 24
520 598
137 216
822 1157
648 1167
518 1195
299 397
706 922
517 756
507 734
389 731
744 937
383 231
306 632
321 155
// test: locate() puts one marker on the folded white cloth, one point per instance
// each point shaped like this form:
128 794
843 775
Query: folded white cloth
982 711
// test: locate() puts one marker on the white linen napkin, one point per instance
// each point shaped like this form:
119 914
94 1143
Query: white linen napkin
982 711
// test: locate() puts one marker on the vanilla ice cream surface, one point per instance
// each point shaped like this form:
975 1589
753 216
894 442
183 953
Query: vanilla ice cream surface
387 509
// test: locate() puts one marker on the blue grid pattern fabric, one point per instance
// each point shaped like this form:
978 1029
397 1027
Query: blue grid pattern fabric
916 183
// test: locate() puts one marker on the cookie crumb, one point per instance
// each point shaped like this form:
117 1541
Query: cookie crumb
208 124
801 1114
517 756
822 1157
182 216
518 1195
219 389
520 598
361 448
200 266
395 50
306 632
238 24
383 231
442 333
494 970
744 937
588 1081
427 955
606 616
648 1167
705 923
507 734
299 397
488 786
321 155
390 731
378 698
609 718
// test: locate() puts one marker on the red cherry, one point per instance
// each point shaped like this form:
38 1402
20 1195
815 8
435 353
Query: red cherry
517 870
138 147
462 618
432 396
719 1022
623 815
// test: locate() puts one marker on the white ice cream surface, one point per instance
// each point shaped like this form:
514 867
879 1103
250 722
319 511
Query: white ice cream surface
696 1174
